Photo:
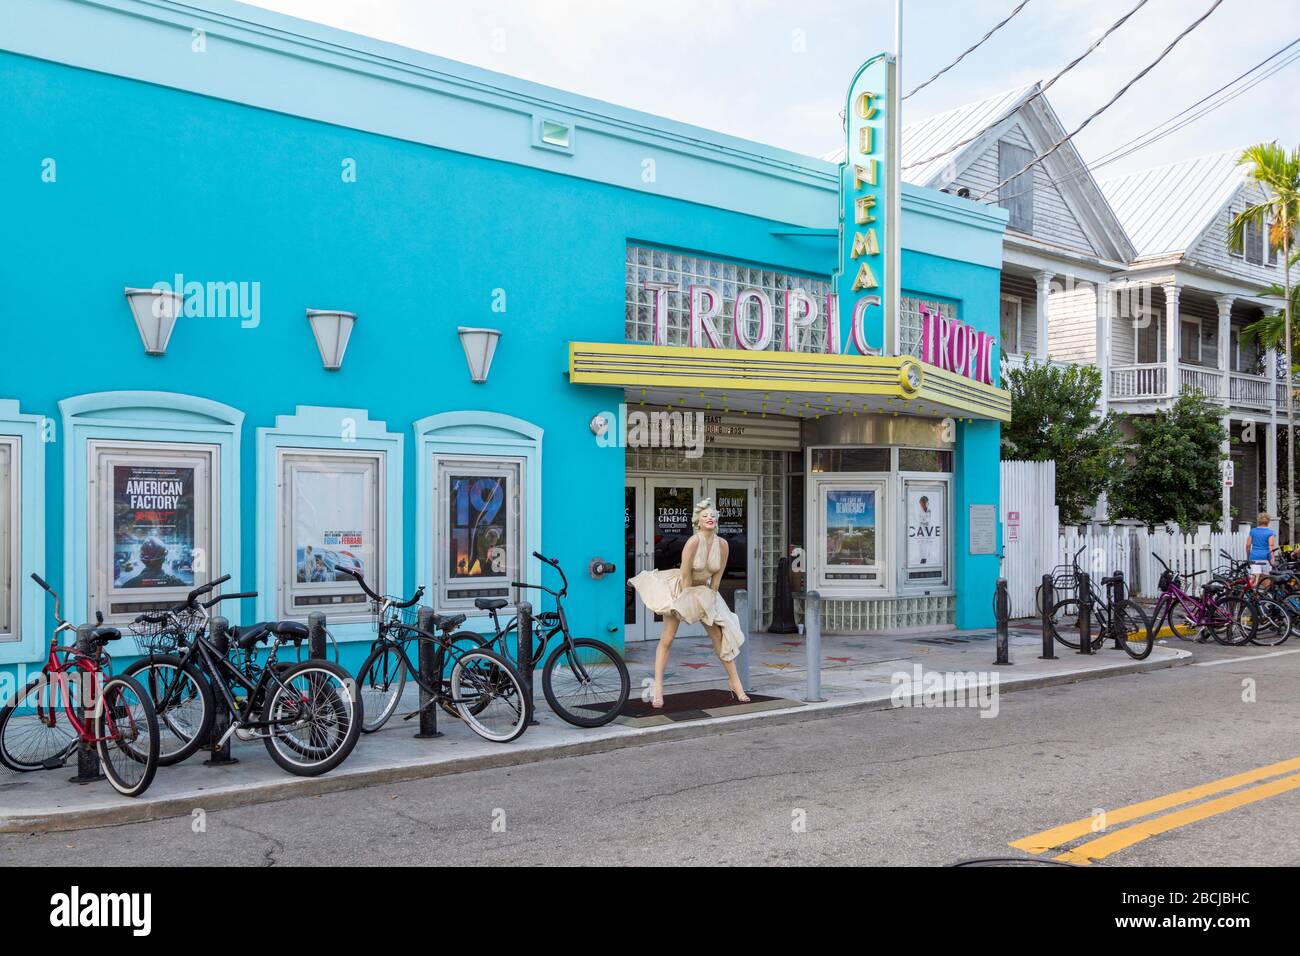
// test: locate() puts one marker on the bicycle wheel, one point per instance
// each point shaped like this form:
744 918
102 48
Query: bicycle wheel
489 696
381 681
35 733
183 701
1133 628
126 726
1274 624
586 684
1064 624
1232 620
461 641
317 714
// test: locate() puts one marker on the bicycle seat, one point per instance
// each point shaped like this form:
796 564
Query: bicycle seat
1279 577
292 630
490 604
250 635
449 622
103 634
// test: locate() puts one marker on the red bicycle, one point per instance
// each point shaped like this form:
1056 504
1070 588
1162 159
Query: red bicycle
111 713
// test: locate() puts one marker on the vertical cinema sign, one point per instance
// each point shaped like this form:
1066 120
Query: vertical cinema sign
868 278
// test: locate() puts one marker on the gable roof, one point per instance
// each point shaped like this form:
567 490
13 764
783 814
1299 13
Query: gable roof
938 133
1165 209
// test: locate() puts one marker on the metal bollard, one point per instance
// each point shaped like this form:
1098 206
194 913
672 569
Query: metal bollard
524 650
316 635
742 661
219 635
88 769
1115 594
1002 612
1048 598
1085 613
429 666
812 637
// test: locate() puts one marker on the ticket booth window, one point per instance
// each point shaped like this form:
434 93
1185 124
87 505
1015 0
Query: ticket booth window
152 524
330 508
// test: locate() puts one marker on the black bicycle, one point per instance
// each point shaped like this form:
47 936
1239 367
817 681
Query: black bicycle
585 681
308 714
1124 621
474 683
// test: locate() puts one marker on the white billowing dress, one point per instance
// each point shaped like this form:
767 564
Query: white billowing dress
663 594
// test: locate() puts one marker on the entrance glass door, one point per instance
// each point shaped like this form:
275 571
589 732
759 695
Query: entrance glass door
656 527
737 504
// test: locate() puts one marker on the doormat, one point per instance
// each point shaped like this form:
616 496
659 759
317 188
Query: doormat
696 705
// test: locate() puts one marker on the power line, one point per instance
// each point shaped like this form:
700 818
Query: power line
1038 92
1119 152
1105 106
917 89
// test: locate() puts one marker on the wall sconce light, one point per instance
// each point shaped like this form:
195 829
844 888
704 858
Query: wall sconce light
480 345
332 330
155 312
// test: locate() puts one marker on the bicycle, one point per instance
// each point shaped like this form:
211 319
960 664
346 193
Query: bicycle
308 714
1273 614
1124 621
1227 618
120 721
585 680
480 687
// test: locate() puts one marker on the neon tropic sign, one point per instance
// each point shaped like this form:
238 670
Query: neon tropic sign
956 347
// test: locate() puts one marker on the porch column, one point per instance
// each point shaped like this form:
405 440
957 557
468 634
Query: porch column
1173 338
1225 449
1105 311
1044 282
1224 302
1270 471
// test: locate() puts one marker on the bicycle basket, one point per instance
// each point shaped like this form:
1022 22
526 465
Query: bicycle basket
167 635
405 616
1064 579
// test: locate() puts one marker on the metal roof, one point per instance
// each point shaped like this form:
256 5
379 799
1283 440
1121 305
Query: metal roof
938 134
1164 210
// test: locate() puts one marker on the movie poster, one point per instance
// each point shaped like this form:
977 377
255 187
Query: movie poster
926 514
153 527
6 538
479 540
334 523
850 526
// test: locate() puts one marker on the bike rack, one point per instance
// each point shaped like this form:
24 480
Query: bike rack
219 634
524 650
316 635
88 769
1085 613
1048 599
1002 612
428 675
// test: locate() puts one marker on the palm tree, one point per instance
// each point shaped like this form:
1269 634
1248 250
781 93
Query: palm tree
1278 214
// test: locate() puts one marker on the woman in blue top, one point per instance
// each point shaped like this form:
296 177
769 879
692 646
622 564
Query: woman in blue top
1261 544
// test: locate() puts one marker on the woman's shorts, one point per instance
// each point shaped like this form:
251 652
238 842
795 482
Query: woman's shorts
1260 567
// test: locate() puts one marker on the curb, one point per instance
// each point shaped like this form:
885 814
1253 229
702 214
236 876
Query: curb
291 787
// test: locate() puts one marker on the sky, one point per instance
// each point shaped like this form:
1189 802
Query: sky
776 71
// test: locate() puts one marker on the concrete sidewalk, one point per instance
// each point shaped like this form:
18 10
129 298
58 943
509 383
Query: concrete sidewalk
859 674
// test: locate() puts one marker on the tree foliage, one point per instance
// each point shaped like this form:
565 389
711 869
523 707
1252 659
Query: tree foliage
1053 418
1175 473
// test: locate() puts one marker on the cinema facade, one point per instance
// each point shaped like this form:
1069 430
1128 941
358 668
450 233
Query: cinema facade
324 301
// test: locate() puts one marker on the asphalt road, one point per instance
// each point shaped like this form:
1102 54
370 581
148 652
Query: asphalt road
916 786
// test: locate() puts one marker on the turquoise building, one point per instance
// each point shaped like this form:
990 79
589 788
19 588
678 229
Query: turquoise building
277 299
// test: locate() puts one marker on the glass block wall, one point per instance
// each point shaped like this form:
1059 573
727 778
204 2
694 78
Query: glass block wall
767 466
909 326
646 264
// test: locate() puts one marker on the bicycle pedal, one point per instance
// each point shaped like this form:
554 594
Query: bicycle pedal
414 713
53 763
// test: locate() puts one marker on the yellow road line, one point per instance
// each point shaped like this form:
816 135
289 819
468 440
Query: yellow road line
1113 842
1066 832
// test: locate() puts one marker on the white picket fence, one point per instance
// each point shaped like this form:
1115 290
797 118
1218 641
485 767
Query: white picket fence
1034 543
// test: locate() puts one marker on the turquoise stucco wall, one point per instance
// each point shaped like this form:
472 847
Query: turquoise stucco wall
153 182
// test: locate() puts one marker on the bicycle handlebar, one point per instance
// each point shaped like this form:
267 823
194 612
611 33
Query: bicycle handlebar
41 581
238 597
361 580
205 588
